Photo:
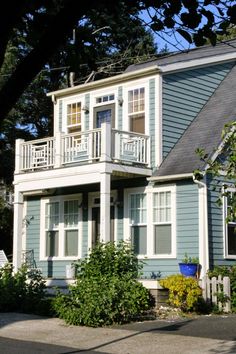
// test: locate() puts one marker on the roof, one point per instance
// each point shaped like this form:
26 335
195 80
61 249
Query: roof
204 131
207 51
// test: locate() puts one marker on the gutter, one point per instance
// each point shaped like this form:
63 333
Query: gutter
170 177
203 225
152 70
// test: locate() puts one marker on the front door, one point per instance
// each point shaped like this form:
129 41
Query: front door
103 114
96 225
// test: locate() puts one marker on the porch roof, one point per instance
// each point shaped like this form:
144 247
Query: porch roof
204 132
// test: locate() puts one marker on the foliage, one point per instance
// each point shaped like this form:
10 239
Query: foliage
184 292
46 26
226 271
106 289
223 167
6 232
23 291
189 259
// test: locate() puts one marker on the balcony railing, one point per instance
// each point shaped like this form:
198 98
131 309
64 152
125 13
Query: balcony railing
104 144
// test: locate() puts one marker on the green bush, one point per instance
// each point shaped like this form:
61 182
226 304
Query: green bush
184 293
106 289
23 291
226 271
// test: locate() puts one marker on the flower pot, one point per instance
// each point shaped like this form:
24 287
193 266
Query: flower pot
188 269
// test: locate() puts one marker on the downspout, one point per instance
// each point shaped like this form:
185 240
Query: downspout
203 226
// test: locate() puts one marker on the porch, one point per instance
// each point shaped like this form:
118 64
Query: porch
93 146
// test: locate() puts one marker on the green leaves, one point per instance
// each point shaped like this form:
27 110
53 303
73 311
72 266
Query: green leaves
106 290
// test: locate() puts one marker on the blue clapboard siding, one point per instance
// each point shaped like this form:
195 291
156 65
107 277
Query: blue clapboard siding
56 269
184 95
187 230
215 226
152 108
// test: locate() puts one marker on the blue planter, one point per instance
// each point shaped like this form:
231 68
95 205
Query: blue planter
188 269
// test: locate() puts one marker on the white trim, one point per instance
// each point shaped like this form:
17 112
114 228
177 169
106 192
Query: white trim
61 228
56 118
196 63
70 100
232 189
158 121
113 80
170 177
203 226
149 191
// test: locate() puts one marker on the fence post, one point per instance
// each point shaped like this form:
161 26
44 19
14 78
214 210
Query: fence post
226 289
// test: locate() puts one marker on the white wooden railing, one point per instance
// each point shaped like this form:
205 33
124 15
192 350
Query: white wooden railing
104 144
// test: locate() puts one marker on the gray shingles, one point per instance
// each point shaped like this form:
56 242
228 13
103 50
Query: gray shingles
185 56
204 131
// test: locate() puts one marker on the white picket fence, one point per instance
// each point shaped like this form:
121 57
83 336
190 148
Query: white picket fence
212 287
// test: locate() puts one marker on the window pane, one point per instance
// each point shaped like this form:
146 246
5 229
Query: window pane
231 239
71 211
137 123
52 243
139 239
71 243
162 239
52 215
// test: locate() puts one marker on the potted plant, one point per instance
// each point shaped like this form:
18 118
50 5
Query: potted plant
189 266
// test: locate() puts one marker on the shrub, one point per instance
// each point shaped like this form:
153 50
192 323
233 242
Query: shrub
184 293
106 289
23 291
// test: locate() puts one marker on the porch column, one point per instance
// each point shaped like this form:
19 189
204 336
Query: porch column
105 195
18 155
105 141
17 229
58 150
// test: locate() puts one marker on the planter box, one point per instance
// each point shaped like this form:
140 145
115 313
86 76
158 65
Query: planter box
160 294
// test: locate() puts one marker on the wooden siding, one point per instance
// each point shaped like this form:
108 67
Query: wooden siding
184 95
87 103
120 109
152 128
187 231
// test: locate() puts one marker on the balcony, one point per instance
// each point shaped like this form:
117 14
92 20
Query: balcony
97 145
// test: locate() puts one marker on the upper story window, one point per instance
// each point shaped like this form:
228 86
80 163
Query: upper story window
105 98
136 110
74 117
229 225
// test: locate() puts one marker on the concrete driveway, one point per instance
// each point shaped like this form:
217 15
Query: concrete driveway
200 335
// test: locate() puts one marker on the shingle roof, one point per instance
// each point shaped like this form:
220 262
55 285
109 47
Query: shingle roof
204 131
185 56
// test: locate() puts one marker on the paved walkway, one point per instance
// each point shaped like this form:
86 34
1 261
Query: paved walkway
201 335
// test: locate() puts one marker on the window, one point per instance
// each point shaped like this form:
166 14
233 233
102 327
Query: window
74 117
162 223
137 217
230 226
136 110
151 220
60 231
105 98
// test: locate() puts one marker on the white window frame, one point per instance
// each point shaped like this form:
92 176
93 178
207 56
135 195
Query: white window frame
225 224
130 87
61 228
149 191
66 102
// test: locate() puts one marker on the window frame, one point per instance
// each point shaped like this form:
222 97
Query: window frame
225 224
70 101
61 228
150 191
138 224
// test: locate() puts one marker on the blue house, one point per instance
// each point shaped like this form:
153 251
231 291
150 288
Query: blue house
120 167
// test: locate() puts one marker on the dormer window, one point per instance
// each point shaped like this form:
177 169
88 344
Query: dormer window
136 110
74 117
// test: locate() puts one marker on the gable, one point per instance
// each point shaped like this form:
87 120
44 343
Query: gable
184 95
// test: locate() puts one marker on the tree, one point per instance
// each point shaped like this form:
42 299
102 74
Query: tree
49 23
